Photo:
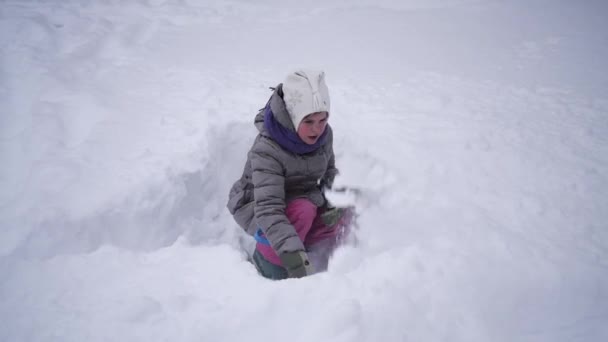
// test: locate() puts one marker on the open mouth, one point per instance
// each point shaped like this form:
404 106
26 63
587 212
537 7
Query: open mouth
313 137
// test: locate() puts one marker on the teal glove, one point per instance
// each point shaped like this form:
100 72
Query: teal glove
331 216
297 264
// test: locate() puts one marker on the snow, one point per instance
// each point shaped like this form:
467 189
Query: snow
476 129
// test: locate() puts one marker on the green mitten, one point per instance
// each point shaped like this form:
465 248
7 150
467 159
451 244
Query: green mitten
331 216
297 264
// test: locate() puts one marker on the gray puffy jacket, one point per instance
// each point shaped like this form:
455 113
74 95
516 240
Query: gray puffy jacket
274 176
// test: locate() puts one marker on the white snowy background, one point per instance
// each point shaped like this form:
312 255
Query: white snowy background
477 129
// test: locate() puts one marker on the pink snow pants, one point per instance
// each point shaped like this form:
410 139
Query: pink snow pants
310 228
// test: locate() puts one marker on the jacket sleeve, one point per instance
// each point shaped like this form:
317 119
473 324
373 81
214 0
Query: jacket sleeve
332 171
269 196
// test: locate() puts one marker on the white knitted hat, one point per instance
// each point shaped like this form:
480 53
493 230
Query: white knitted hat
305 92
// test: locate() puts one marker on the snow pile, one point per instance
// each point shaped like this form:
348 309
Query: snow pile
475 129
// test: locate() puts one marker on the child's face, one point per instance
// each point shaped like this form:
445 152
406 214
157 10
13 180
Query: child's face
312 126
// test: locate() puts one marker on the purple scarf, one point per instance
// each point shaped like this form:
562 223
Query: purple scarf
289 139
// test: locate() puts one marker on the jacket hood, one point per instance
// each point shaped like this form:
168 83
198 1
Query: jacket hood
277 105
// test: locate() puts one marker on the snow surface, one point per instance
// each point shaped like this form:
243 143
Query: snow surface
477 129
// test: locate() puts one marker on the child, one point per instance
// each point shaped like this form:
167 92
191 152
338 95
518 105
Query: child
279 198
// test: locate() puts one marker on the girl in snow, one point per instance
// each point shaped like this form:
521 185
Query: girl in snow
279 198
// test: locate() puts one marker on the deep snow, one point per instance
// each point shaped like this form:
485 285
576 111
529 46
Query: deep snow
478 130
